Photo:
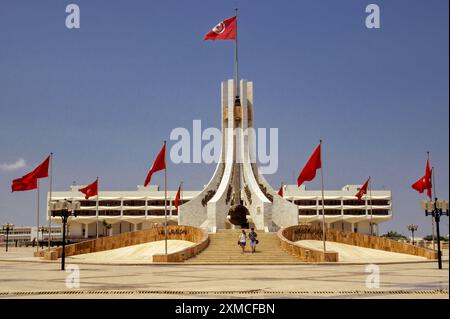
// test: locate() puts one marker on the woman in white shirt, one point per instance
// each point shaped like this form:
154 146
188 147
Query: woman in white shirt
242 240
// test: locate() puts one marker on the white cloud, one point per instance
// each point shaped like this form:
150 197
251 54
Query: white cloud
9 167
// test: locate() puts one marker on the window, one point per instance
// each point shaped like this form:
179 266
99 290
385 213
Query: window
134 212
380 212
134 203
306 212
303 202
157 212
354 212
354 202
109 203
109 213
88 203
330 202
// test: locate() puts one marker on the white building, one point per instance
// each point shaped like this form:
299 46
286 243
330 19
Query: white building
24 235
144 208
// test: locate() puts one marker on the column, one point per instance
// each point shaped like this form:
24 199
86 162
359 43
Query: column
86 230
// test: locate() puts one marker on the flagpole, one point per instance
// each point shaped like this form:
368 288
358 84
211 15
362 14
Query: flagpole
181 195
165 201
96 228
37 217
432 219
323 204
371 208
236 65
50 199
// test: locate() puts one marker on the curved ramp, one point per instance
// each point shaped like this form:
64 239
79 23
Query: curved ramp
135 254
356 254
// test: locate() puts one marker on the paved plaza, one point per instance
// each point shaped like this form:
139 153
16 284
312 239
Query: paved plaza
29 279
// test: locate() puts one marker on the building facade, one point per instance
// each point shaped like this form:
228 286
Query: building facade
124 211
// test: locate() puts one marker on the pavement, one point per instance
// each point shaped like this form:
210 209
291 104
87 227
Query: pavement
24 279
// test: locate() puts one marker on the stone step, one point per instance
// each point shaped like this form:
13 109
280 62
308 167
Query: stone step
223 249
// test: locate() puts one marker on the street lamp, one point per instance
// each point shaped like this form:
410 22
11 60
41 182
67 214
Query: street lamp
436 209
64 208
7 227
412 228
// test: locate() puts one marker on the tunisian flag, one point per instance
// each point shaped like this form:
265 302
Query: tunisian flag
424 182
177 199
158 165
90 190
29 181
363 190
224 30
24 184
281 191
309 171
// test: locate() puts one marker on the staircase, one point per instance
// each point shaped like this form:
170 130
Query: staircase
223 249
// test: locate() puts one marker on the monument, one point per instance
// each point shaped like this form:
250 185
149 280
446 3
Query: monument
237 186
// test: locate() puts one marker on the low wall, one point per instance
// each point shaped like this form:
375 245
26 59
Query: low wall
290 235
286 235
188 233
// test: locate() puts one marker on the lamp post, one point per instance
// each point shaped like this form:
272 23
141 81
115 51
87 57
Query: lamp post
436 209
412 228
64 209
42 229
7 227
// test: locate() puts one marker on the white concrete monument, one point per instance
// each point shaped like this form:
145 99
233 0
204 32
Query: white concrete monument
237 184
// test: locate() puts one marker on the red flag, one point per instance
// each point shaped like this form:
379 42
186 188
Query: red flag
177 200
29 181
309 171
90 190
224 30
42 170
363 190
281 191
424 182
23 184
159 164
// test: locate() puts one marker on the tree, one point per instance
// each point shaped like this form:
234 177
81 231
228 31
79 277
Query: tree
430 238
106 226
392 234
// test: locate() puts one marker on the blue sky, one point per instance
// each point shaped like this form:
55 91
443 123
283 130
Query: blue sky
105 96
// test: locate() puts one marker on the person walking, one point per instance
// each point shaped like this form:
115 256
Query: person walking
253 241
242 240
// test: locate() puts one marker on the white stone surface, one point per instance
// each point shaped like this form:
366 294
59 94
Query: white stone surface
136 254
350 253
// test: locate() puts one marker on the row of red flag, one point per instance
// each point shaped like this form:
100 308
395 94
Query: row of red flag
308 173
30 181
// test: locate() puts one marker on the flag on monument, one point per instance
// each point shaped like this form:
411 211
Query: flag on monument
309 171
424 182
177 199
281 191
90 190
158 165
363 190
224 30
29 181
